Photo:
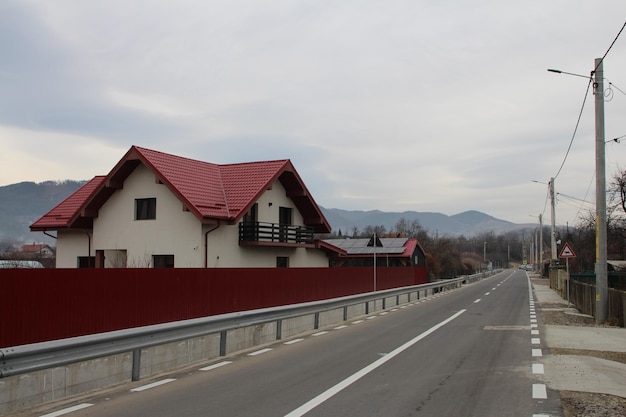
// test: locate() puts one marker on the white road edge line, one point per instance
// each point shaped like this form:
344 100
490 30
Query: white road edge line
154 384
68 410
311 404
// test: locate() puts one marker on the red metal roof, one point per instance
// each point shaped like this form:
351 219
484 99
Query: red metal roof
68 210
212 192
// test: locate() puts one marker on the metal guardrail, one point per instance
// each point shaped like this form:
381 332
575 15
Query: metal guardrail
37 356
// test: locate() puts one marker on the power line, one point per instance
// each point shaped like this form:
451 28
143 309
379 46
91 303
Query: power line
580 114
611 46
585 99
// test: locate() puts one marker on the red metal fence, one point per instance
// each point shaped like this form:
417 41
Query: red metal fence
48 304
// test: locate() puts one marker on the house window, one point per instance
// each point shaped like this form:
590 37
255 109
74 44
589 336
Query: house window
86 262
163 261
282 262
145 208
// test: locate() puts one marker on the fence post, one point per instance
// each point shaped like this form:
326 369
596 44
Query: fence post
223 343
279 329
136 365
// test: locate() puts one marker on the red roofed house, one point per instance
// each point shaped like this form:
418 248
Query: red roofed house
159 210
389 252
37 249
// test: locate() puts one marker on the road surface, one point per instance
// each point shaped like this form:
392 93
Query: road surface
467 352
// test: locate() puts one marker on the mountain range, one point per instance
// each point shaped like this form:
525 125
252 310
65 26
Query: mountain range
468 223
23 203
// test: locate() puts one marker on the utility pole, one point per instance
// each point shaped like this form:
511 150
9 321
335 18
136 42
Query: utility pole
601 250
553 256
540 245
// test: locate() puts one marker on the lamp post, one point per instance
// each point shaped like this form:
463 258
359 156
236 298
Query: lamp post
601 234
553 250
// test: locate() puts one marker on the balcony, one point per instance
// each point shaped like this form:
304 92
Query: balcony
274 234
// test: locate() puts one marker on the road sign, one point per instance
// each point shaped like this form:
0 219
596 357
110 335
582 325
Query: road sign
567 252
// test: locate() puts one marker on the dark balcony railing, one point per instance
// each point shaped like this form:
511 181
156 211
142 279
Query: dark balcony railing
275 233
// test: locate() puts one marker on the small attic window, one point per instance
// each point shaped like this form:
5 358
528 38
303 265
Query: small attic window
145 209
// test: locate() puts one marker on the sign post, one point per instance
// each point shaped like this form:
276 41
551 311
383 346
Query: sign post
567 253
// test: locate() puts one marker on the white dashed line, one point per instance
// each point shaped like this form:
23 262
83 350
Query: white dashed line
477 301
534 332
537 353
370 317
215 366
319 333
153 385
291 342
68 410
538 368
535 341
260 352
343 326
358 321
540 392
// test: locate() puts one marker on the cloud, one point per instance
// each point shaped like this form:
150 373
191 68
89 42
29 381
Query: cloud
400 105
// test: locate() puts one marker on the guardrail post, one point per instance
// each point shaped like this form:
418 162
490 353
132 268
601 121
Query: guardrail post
345 313
223 343
136 365
279 329
367 307
384 303
316 324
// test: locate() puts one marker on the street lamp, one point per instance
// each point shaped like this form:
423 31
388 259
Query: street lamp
553 255
601 249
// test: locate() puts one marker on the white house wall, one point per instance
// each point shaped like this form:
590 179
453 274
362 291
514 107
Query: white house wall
179 233
71 245
173 232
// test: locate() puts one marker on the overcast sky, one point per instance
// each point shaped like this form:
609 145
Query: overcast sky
423 105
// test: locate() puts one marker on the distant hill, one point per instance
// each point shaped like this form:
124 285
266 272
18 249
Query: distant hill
23 203
468 223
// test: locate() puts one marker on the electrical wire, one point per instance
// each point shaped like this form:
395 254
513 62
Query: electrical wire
585 99
580 114
611 46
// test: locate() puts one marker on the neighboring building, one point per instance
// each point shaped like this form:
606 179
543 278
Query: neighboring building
37 249
387 251
159 210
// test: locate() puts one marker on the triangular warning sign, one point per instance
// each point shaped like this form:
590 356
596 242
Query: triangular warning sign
567 252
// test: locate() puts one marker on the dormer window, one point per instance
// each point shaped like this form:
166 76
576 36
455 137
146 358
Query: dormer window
145 209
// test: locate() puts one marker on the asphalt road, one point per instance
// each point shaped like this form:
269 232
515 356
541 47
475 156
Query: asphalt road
463 353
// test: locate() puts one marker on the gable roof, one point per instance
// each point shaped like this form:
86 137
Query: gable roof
214 193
